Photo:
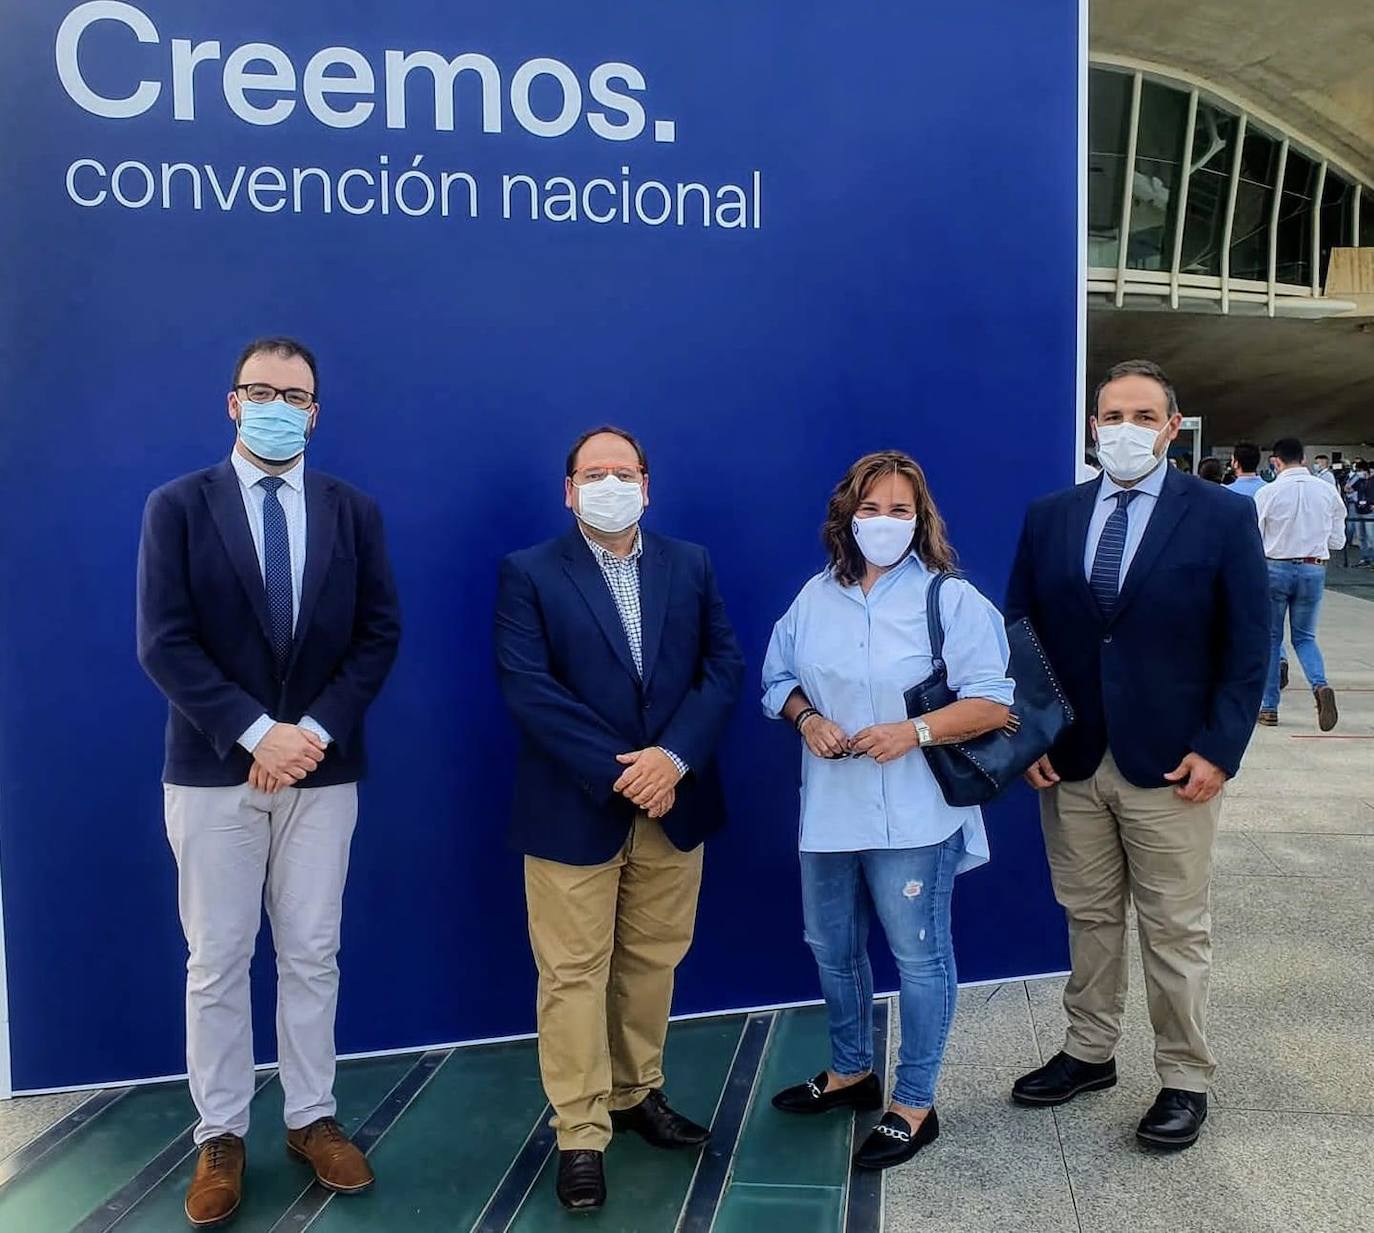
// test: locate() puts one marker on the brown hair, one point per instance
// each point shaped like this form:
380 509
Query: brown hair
846 561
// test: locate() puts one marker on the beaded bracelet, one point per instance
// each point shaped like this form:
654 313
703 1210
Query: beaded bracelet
804 716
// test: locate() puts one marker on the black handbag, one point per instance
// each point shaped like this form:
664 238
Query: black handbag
977 771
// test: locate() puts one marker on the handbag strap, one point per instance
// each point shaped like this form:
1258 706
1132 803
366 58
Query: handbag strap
934 623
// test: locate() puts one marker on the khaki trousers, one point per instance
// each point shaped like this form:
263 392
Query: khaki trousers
606 940
1108 842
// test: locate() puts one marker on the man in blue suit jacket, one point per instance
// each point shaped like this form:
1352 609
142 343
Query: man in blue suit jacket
1148 589
267 616
620 667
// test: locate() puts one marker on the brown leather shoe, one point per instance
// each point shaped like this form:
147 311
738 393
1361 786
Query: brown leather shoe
338 1165
217 1186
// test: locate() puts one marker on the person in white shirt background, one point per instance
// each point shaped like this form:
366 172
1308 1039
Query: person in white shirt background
1302 520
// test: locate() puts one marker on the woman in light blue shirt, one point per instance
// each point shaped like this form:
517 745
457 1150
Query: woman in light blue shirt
876 833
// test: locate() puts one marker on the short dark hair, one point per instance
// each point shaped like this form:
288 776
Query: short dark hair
287 348
606 430
1247 456
1137 368
1289 451
1323 458
1211 470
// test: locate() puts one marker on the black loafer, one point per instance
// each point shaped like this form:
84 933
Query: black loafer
1174 1120
658 1124
812 1096
893 1142
581 1181
1061 1079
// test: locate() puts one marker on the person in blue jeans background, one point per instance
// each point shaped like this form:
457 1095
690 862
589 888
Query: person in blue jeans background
876 833
1302 521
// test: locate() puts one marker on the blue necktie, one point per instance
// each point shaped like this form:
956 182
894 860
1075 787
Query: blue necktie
1105 580
276 561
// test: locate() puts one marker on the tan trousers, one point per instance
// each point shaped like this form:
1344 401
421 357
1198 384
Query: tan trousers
1108 842
606 940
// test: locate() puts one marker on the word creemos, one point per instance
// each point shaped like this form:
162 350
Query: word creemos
339 86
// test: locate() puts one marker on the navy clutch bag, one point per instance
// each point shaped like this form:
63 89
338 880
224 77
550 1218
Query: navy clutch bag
978 771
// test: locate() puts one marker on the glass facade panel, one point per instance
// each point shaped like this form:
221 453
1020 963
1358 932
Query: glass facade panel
1109 122
1367 217
1158 172
1338 217
1295 221
1259 173
1204 225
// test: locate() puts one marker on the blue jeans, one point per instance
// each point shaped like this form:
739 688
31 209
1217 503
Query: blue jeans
1295 592
910 889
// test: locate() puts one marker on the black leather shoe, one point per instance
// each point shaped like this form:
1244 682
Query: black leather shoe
812 1096
654 1121
893 1142
1174 1120
581 1181
1283 674
1061 1079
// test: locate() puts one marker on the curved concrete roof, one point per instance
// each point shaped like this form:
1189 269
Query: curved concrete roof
1310 64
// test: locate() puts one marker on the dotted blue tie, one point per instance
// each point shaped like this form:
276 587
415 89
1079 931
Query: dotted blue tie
276 557
1105 580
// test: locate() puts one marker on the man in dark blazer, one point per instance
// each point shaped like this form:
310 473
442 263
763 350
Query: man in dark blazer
620 667
1148 590
267 615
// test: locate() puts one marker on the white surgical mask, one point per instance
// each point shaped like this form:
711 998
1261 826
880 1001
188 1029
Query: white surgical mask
884 541
610 505
1127 451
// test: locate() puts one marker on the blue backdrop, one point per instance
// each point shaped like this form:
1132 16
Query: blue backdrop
905 276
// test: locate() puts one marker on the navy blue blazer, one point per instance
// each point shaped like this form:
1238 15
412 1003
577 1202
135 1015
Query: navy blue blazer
204 637
567 675
1180 666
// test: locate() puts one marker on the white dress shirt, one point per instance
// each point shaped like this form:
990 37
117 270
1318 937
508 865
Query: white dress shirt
1138 514
291 495
1300 515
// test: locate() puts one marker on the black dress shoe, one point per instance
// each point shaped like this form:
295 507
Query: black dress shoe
812 1096
658 1124
1061 1079
1174 1120
1283 674
893 1142
581 1181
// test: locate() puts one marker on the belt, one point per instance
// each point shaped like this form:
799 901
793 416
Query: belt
1299 560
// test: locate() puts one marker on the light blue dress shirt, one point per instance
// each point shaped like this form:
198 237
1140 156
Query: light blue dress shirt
291 496
1138 514
1246 486
854 656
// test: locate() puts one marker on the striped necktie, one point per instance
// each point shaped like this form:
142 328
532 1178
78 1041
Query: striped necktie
1105 580
276 569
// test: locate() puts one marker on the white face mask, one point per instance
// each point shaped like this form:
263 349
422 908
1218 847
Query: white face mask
884 541
610 505
1127 451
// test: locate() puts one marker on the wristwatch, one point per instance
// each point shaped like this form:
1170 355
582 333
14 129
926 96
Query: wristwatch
923 733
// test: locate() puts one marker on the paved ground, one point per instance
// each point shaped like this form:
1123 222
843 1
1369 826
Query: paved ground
1290 1140
1288 1146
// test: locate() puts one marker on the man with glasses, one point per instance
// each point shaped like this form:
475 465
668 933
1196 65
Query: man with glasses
620 667
267 615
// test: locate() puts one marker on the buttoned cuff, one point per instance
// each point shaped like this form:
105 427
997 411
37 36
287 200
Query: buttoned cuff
253 737
682 767
311 725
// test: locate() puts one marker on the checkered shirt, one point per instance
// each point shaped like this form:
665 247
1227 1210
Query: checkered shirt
622 577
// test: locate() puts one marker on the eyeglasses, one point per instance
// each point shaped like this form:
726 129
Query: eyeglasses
260 391
595 474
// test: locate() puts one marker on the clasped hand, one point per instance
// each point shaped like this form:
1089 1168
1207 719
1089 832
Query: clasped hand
649 781
285 756
882 742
